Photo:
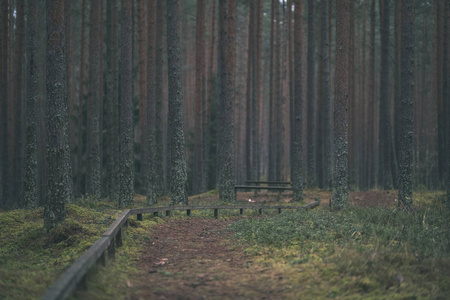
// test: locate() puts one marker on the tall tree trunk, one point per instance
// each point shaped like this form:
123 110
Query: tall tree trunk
126 107
151 75
278 97
397 88
30 181
250 51
3 101
296 163
271 147
311 127
405 192
340 189
59 187
226 134
93 183
112 103
446 91
324 163
143 126
71 88
384 137
159 95
199 99
177 162
371 107
439 82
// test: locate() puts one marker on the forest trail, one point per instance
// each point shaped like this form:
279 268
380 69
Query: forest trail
196 259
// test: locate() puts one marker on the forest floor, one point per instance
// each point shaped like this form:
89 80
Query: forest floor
198 258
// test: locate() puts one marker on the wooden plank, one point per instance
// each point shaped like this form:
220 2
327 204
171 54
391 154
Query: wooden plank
68 281
268 182
256 187
139 217
117 224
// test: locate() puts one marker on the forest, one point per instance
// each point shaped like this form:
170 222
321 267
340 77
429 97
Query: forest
109 105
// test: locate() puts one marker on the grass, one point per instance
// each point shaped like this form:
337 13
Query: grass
370 253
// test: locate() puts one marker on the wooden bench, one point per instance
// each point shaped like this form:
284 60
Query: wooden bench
279 189
276 183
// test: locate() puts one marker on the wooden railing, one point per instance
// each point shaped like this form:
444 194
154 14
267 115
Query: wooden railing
76 275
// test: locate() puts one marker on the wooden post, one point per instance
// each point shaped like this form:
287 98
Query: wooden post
102 259
188 212
241 211
82 285
119 238
167 213
155 213
260 211
216 213
139 217
111 250
279 210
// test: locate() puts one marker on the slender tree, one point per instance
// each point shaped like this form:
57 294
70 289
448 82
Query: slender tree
112 103
340 189
151 75
93 183
59 187
143 99
446 91
384 137
405 192
296 163
30 184
226 185
177 162
325 90
248 127
311 127
199 99
159 97
126 108
3 100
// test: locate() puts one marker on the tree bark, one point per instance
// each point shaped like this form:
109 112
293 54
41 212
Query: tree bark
59 187
405 192
126 108
93 183
311 127
177 161
340 189
30 181
296 163
3 101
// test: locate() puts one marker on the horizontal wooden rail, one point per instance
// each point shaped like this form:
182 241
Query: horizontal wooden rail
268 182
76 274
258 187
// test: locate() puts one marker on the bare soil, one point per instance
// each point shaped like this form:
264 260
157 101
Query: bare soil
197 258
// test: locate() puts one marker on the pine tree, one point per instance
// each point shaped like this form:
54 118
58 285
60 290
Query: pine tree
59 187
405 192
177 162
30 184
93 183
126 108
296 163
340 189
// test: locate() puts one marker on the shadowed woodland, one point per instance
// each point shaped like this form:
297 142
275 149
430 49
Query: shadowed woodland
107 102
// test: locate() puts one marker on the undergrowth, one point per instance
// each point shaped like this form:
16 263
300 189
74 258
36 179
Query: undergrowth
358 253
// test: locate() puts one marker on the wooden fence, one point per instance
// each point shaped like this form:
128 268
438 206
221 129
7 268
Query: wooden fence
76 275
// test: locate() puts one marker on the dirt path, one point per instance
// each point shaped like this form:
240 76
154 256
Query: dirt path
196 259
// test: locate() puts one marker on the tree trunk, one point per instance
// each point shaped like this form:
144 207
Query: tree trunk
340 190
143 126
371 107
151 76
93 183
177 162
3 101
296 163
126 107
250 51
405 192
199 97
385 164
446 91
159 98
226 185
311 127
30 181
59 187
